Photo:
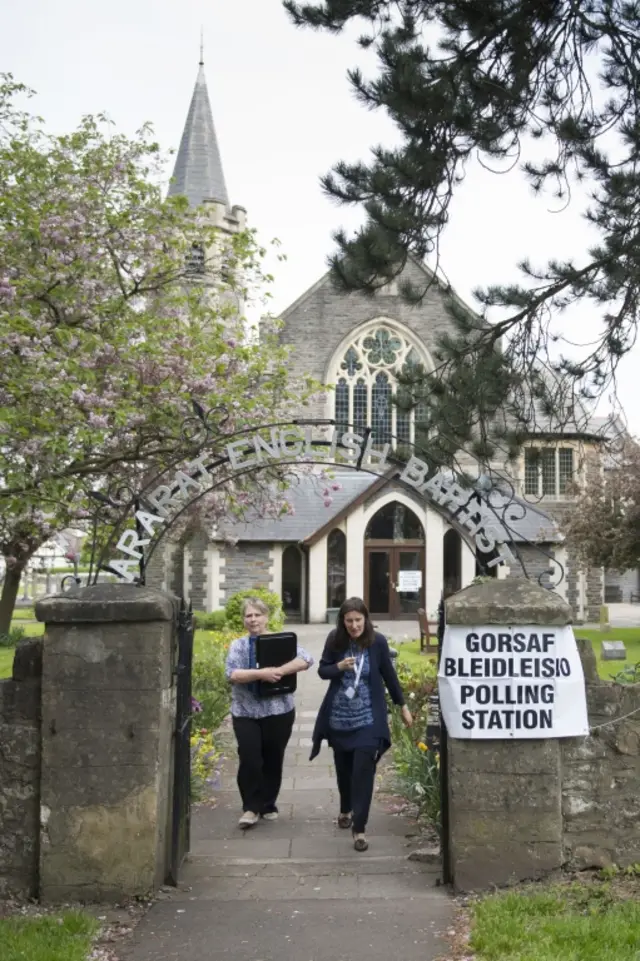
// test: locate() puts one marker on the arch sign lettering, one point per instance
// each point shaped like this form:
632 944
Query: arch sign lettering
483 517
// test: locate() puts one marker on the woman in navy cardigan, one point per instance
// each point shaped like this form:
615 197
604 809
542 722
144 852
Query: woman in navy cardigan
353 715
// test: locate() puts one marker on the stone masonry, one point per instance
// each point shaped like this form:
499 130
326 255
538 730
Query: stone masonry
20 756
522 810
108 710
323 308
245 566
601 776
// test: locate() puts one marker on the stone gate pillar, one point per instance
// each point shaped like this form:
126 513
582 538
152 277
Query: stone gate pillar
107 723
505 796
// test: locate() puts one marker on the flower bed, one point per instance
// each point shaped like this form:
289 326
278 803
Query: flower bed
210 705
416 767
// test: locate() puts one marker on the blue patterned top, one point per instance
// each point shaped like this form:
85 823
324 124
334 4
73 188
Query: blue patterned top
351 714
244 703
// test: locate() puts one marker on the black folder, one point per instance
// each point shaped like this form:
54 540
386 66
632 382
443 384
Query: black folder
274 650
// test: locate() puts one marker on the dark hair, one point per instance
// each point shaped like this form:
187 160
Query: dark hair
342 639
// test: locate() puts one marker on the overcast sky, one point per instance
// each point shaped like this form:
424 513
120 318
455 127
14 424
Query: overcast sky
284 114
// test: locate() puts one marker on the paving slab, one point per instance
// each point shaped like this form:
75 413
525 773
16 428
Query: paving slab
303 930
294 889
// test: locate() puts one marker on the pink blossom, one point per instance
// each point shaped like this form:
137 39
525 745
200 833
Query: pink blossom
328 502
98 420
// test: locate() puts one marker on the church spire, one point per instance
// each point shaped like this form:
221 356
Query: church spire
198 173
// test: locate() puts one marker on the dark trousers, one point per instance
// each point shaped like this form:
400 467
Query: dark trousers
356 774
261 746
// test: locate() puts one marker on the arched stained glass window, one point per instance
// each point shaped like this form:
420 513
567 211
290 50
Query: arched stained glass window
360 406
342 404
381 409
365 376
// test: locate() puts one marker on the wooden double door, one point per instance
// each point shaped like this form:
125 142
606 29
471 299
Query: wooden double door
394 578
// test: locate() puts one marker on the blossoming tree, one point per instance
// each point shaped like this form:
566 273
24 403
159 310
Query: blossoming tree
105 340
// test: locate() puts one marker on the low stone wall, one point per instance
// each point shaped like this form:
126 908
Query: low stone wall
601 776
522 810
20 763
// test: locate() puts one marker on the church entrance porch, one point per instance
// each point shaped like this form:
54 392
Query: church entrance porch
394 563
394 581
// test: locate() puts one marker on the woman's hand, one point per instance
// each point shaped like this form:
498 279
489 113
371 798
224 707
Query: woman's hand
270 674
347 664
407 719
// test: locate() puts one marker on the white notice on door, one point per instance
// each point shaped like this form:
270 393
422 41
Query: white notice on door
409 581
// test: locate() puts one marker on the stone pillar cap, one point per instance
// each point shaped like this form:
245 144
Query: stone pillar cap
102 603
506 602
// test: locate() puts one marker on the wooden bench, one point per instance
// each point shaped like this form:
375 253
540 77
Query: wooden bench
428 633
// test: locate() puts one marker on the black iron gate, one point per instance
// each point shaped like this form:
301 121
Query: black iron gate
181 817
444 767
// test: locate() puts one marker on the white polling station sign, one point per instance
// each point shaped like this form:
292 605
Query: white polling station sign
512 682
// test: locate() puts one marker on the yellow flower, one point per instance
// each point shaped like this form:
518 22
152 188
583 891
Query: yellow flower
422 746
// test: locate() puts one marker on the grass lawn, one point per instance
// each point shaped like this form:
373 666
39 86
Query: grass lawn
573 922
64 937
631 638
24 614
409 653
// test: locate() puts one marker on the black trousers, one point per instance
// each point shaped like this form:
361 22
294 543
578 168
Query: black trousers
261 746
356 774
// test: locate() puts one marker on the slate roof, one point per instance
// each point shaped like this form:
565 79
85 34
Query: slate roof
310 514
198 173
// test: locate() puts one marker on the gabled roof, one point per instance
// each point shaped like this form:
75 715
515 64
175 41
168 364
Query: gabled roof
198 173
309 512
412 262
311 520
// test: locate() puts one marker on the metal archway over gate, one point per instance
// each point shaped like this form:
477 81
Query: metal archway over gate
129 526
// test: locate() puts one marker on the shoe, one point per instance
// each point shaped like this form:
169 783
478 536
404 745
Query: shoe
360 843
248 820
344 820
270 816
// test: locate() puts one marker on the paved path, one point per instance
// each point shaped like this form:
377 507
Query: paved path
295 890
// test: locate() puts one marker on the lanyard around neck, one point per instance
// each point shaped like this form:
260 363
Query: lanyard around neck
359 665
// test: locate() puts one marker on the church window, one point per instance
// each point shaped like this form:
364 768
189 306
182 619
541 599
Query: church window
336 568
366 380
360 404
548 471
342 404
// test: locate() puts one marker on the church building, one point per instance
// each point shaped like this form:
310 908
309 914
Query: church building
378 538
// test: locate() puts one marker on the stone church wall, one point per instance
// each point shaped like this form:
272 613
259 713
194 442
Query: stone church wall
245 566
315 325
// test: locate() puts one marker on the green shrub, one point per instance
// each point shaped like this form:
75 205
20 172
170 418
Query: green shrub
628 675
209 684
233 609
13 637
212 621
416 768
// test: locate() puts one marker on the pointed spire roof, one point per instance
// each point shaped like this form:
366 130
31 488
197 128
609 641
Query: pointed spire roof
198 173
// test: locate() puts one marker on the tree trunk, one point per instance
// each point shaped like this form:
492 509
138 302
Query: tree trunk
10 590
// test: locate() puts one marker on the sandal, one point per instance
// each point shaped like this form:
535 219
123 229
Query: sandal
360 844
344 820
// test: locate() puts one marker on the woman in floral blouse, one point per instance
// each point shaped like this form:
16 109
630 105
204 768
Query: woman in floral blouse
262 725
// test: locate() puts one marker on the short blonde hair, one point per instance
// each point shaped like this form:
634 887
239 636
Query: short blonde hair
254 602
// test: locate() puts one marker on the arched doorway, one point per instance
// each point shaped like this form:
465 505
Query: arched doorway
394 562
451 563
292 583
